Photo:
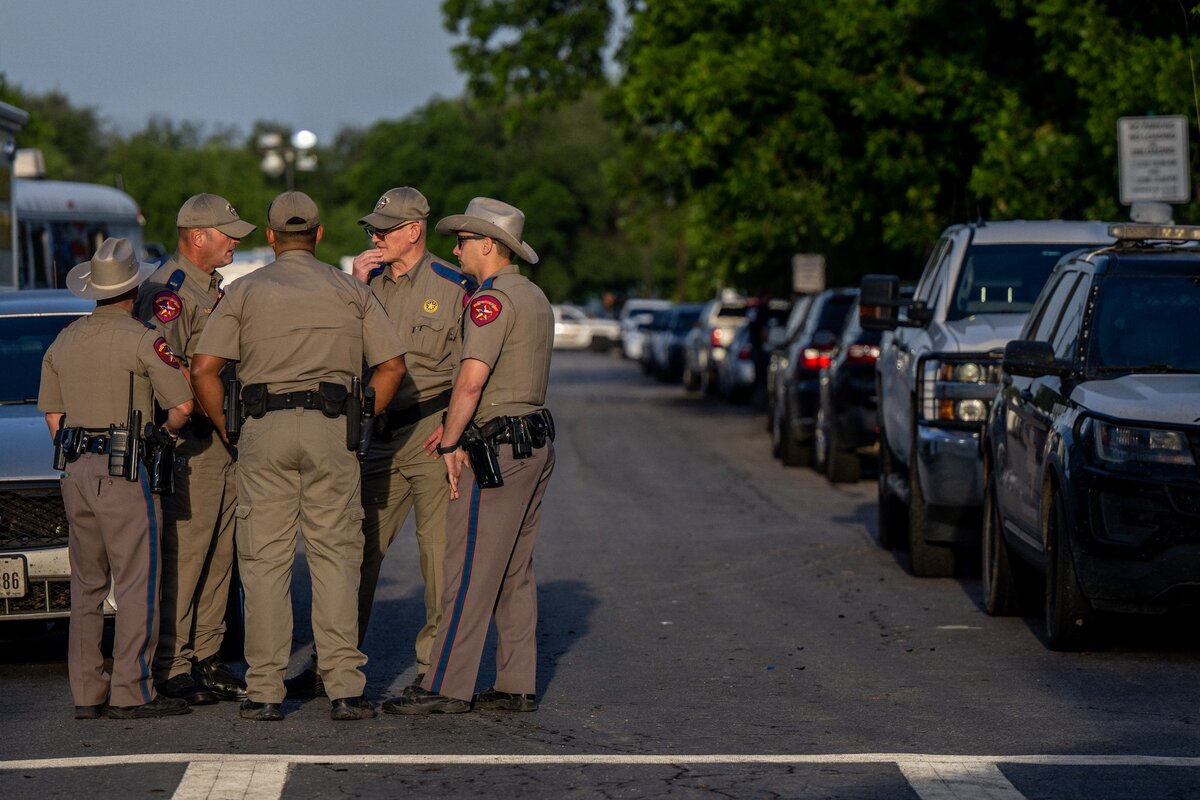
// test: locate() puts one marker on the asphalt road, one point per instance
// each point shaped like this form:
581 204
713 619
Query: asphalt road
711 625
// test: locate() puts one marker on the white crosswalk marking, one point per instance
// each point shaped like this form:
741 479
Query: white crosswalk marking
232 780
962 780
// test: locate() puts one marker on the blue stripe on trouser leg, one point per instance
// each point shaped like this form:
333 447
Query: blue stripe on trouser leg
461 598
151 584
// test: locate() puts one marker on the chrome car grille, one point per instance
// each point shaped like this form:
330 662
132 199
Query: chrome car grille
32 518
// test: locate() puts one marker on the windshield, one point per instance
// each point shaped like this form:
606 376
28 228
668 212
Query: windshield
1003 278
23 342
1146 324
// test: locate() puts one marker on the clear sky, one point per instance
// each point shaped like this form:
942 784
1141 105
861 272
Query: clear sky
304 63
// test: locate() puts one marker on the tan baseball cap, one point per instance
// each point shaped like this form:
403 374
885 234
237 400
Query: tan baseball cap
213 211
396 206
292 212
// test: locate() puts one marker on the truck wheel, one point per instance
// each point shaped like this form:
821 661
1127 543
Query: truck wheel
691 381
841 466
892 524
1002 596
1071 622
792 452
708 382
929 560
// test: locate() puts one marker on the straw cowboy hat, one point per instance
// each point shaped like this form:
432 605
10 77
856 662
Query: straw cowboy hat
113 271
493 219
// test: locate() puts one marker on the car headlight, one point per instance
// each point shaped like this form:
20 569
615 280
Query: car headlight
957 391
1121 444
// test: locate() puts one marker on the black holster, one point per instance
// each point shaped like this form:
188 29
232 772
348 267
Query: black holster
254 401
485 462
334 399
234 415
160 460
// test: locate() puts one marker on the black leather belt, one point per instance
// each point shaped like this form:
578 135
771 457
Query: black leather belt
392 421
308 400
96 444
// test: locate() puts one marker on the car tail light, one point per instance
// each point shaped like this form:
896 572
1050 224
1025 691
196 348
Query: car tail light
717 337
862 354
815 358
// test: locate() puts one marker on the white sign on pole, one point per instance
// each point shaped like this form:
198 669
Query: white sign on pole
1153 158
808 273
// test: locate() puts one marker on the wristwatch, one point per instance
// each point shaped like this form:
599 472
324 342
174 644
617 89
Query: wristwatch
448 449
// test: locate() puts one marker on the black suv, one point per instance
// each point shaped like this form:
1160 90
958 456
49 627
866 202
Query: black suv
1092 445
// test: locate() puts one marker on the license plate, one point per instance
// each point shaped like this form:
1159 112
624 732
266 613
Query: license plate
14 576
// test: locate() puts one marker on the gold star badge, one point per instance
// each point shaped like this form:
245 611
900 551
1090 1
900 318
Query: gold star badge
431 306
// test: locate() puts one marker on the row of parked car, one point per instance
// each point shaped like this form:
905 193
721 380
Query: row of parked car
1032 406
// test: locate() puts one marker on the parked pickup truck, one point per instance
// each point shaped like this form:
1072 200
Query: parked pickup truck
937 374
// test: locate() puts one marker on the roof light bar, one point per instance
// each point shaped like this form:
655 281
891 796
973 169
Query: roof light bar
1127 231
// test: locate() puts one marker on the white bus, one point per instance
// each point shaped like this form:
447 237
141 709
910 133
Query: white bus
60 224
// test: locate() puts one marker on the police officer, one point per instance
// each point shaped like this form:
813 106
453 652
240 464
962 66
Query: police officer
499 391
423 297
197 542
96 367
300 330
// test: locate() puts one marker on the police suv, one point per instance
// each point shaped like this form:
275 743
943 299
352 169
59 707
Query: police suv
936 374
1093 442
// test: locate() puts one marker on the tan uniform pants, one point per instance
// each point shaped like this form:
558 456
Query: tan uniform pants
197 554
294 469
398 476
114 537
490 534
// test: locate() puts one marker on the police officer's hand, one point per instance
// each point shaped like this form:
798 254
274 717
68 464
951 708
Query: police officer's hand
454 465
434 441
366 261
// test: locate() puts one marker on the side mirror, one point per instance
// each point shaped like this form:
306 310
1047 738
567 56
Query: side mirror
1031 359
879 302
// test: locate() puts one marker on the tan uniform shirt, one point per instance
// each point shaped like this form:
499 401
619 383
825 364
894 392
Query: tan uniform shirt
85 372
297 322
178 299
510 327
425 304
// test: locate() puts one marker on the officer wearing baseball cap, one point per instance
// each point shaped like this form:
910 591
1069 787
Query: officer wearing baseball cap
198 521
97 368
496 494
300 331
423 297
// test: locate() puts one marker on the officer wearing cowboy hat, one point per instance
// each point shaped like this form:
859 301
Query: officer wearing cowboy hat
500 387
198 519
114 523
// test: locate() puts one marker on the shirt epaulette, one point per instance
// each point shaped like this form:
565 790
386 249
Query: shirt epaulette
176 280
375 273
146 323
454 276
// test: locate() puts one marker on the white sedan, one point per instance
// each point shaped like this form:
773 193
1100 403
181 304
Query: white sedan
574 329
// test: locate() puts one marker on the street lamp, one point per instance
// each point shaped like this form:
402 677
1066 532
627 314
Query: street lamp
280 158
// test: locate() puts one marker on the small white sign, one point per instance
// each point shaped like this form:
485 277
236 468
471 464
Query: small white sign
1153 158
808 273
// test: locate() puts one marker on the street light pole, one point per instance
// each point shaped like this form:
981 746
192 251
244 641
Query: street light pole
285 158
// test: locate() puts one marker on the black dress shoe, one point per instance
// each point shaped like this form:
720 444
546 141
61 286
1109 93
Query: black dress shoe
260 712
212 673
89 712
416 700
305 686
184 687
492 700
160 706
351 708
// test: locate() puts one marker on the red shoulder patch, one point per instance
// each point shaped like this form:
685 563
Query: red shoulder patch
167 306
485 310
165 353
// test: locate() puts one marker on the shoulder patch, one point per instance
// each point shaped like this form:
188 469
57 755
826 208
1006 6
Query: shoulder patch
176 280
165 353
485 310
167 306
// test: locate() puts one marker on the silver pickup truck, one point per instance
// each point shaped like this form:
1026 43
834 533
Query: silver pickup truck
937 373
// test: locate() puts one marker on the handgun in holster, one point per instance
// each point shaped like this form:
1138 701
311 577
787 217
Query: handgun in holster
233 404
66 444
367 425
160 460
485 463
124 443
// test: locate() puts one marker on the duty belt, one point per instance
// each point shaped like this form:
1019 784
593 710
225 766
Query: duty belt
390 422
310 399
526 432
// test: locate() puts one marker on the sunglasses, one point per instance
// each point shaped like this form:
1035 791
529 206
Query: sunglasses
462 239
373 232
